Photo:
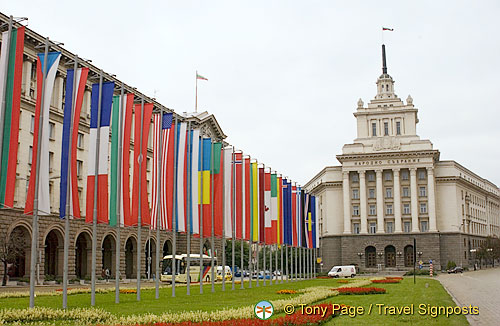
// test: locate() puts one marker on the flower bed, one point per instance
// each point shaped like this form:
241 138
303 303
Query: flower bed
343 281
386 281
128 291
323 277
358 290
286 291
394 278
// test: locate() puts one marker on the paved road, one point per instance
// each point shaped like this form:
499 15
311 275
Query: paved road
478 288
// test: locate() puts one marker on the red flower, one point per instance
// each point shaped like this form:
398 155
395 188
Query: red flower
360 290
386 281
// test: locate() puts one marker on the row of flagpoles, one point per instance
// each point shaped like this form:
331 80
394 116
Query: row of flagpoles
200 187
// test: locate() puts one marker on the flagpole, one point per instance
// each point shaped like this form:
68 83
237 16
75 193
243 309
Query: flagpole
286 266
189 207
139 214
257 244
243 220
159 207
201 216
196 96
123 107
212 245
223 219
264 226
174 210
233 192
4 101
250 241
281 260
242 242
34 237
68 189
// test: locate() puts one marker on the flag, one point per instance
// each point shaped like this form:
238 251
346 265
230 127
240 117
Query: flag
141 149
293 207
122 109
310 216
287 227
200 77
299 218
268 208
218 178
274 208
49 75
262 206
102 164
11 75
193 166
303 216
181 170
315 218
162 127
204 176
228 192
69 142
387 29
254 188
239 193
307 208
279 223
247 205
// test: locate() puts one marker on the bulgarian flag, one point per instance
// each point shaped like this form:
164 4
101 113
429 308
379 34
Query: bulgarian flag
52 62
102 149
11 71
120 137
69 142
200 77
387 29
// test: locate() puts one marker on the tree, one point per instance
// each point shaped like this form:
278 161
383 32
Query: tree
10 248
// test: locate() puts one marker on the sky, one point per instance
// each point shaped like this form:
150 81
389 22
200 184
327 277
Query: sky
284 76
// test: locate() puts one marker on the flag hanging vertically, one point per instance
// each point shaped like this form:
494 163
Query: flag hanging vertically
218 177
262 206
69 142
279 223
314 223
181 169
299 217
205 193
239 193
228 191
274 208
122 109
52 62
102 164
194 162
293 205
247 195
161 126
267 209
141 149
11 71
254 188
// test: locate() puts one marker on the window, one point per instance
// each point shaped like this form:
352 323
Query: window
404 175
389 227
406 208
32 126
355 177
79 167
79 140
371 193
374 129
51 161
386 128
398 128
388 176
424 227
388 209
355 210
373 211
355 194
52 130
30 155
148 164
407 227
373 227
388 192
371 176
356 228
423 193
421 175
406 192
423 208
27 183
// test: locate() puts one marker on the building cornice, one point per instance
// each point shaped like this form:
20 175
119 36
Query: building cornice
387 155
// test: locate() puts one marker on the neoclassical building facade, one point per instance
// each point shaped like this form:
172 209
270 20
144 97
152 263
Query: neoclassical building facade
392 188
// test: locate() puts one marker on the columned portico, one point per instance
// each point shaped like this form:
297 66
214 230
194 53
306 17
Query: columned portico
397 201
414 200
362 199
431 199
380 203
347 203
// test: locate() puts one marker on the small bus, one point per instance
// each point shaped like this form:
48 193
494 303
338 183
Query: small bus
181 268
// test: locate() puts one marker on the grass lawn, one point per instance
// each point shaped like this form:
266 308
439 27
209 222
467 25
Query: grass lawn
401 294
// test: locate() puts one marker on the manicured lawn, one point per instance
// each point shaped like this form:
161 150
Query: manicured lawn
403 294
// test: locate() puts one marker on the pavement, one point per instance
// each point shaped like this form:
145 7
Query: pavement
477 288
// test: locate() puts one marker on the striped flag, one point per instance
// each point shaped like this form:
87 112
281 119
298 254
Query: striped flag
239 193
163 127
200 77
11 71
254 188
122 108
217 162
387 29
293 205
69 142
299 217
262 206
181 171
102 165
205 192
315 223
268 208
286 212
306 218
49 75
228 193
247 195
279 222
141 149
193 166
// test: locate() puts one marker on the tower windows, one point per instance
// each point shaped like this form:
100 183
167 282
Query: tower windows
386 128
374 129
398 128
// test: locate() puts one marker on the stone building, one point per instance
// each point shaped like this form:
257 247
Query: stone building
51 229
392 188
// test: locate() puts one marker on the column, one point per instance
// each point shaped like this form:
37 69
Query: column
397 202
380 202
347 203
414 200
362 202
431 200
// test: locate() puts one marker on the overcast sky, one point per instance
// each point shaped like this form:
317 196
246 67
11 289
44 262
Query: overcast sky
284 77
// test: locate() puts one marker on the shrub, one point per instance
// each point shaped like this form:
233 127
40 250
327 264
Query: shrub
322 277
394 278
419 272
286 291
343 281
451 264
358 290
386 281
128 291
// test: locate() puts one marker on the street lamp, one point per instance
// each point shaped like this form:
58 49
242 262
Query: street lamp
473 251
489 250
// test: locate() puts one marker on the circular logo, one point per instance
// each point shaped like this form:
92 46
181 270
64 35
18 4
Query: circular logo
263 310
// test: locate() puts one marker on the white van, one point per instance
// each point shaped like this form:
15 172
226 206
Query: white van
342 271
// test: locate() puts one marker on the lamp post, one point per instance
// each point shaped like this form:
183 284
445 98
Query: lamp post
490 250
473 251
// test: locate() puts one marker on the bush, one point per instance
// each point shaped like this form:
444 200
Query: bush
451 264
419 272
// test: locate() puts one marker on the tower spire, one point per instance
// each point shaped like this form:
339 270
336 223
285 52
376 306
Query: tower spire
384 65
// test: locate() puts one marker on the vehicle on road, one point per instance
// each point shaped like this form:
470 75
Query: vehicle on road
181 270
342 271
455 270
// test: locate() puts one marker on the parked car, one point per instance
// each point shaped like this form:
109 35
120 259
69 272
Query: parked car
455 270
342 271
268 275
